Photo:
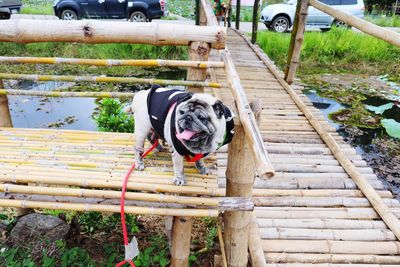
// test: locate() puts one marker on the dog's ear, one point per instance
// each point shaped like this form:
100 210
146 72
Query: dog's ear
219 109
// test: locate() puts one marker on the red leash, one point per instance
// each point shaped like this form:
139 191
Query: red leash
124 185
123 223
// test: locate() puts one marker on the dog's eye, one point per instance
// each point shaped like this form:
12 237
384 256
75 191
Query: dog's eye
181 112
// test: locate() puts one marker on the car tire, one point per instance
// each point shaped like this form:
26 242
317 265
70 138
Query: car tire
138 16
69 14
280 24
325 29
340 24
4 15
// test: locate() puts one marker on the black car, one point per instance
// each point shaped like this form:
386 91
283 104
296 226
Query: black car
134 10
8 7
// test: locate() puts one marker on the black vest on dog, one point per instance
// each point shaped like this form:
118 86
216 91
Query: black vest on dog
160 101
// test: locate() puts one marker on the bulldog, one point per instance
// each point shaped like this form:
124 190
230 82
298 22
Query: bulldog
193 125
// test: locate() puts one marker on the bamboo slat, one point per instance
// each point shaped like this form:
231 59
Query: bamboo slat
321 223
332 247
113 62
103 79
65 94
96 32
255 248
332 259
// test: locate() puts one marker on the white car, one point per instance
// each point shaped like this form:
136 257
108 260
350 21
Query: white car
280 17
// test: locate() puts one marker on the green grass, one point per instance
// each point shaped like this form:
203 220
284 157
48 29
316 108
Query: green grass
384 21
39 7
246 14
184 8
338 50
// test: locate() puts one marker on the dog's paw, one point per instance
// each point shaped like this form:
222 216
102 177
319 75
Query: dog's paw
139 166
202 168
179 181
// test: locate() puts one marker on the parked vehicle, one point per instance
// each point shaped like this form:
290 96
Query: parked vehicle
280 17
134 10
8 7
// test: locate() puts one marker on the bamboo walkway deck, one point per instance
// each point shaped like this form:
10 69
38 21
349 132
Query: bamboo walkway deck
311 211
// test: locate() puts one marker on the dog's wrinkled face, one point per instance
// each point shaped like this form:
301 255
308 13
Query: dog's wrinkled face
200 123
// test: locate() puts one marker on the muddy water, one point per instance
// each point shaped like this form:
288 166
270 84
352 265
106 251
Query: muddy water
62 113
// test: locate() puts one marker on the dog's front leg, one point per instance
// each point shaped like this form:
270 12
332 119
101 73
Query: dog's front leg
179 176
201 167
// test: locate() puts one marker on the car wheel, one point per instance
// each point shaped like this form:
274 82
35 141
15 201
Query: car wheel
325 29
69 14
341 24
280 24
138 16
4 15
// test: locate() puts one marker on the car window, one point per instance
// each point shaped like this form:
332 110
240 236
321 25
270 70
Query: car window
328 2
348 2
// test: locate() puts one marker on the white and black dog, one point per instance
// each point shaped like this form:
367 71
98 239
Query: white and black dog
192 125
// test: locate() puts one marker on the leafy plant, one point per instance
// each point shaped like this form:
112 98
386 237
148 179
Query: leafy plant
155 254
392 127
112 118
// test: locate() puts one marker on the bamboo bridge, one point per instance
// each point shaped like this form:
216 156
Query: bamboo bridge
290 190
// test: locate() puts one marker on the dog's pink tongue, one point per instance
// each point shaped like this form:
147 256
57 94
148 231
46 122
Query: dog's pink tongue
186 135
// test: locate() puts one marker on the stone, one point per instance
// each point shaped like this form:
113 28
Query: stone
38 227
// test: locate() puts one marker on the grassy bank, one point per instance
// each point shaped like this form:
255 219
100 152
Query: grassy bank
40 7
384 21
335 51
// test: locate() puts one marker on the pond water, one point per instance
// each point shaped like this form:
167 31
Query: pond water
63 113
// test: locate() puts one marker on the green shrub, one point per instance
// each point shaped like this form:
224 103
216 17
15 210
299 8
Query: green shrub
112 118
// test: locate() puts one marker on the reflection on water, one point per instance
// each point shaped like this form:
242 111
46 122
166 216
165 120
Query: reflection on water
39 112
325 105
64 113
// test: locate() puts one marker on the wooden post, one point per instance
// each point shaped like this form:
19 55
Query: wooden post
181 234
197 12
296 40
5 117
239 182
255 21
237 14
199 50
202 15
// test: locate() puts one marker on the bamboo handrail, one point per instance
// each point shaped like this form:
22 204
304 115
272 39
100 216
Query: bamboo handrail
104 79
263 164
377 202
364 26
113 62
65 94
211 19
97 32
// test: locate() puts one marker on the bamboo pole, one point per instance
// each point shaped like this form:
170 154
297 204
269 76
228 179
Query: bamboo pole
296 41
102 79
198 51
65 94
255 247
255 21
222 203
381 208
222 245
237 22
5 117
321 223
108 208
387 35
329 246
341 259
181 236
113 62
96 32
328 234
263 165
240 178
209 13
